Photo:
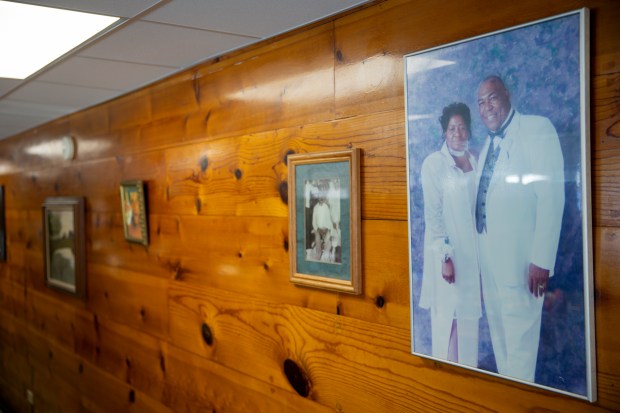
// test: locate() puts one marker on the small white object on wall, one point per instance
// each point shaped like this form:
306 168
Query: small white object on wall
68 148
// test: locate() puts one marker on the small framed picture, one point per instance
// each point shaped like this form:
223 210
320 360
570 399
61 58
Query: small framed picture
2 227
135 218
63 224
324 210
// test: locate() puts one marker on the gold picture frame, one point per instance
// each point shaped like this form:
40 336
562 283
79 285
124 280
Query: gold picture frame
133 207
325 220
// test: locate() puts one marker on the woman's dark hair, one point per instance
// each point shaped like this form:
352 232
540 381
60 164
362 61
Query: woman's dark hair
454 109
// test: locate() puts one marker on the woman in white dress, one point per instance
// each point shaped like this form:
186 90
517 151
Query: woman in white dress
451 276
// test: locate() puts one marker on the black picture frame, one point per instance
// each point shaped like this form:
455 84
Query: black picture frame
64 244
3 253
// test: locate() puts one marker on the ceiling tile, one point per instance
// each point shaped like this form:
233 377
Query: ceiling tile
259 18
9 127
19 116
67 96
12 125
19 108
162 44
98 73
119 8
175 35
7 84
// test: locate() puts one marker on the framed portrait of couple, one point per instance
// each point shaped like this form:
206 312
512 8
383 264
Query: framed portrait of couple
499 204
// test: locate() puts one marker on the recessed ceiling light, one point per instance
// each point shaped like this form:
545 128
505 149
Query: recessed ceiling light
34 36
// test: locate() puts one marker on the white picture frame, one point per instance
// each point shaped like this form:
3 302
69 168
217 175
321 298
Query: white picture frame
543 72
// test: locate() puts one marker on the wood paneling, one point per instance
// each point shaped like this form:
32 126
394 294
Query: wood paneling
196 384
606 149
381 375
211 143
135 299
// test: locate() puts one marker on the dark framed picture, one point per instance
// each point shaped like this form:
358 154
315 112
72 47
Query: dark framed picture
135 218
324 227
499 204
2 226
63 229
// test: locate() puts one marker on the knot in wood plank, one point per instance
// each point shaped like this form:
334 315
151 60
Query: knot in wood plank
283 190
207 336
297 378
379 301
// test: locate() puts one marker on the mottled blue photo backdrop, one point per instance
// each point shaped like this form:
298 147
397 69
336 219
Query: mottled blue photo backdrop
540 66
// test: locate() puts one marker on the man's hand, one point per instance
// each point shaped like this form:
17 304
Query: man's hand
537 280
447 271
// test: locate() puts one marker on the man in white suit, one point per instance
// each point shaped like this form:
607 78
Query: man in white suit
519 210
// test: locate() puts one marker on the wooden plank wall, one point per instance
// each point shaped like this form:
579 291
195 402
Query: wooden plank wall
211 143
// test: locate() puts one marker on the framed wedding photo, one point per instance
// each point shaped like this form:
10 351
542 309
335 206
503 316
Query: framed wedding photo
324 212
135 218
498 170
63 230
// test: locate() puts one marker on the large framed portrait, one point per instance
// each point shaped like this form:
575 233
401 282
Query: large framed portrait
63 229
324 210
2 226
499 204
135 218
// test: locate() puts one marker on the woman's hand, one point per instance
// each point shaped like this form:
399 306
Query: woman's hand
447 271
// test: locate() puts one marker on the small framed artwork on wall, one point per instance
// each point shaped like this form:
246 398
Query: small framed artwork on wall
63 233
324 213
135 218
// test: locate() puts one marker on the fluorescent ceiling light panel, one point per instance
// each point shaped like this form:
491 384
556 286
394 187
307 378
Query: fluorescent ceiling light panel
34 36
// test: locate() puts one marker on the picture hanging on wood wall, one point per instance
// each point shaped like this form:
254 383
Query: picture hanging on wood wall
499 204
135 218
2 226
63 230
324 210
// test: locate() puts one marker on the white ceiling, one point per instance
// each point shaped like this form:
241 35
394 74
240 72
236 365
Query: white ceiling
154 39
